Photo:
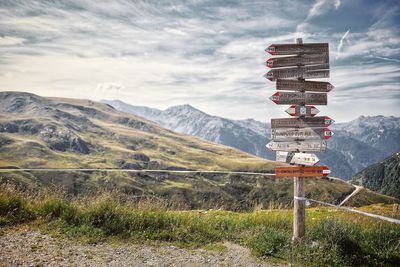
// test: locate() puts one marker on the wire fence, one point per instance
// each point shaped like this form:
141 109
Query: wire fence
380 217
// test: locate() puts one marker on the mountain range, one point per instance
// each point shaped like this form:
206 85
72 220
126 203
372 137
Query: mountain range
59 133
355 145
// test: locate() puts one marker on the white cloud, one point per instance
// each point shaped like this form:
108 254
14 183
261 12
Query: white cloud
337 4
11 40
339 48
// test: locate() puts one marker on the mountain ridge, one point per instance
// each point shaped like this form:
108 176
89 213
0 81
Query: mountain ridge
356 144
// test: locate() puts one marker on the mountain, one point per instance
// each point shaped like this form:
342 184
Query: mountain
38 132
356 144
382 177
42 132
247 135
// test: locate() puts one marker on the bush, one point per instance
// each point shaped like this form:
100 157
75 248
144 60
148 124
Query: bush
14 207
269 242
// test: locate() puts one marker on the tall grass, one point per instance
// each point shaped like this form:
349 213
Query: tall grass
333 239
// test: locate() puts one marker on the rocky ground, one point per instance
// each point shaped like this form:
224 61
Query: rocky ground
33 248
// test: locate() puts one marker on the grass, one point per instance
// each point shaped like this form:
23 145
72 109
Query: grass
334 238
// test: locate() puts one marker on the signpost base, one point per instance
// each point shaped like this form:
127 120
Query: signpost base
299 210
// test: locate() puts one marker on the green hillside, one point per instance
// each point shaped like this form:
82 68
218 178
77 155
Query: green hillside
40 132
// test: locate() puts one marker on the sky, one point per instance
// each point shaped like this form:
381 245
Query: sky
206 53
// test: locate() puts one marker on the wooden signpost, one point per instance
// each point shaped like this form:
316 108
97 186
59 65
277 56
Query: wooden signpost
300 134
302 86
300 171
299 48
299 98
300 122
310 72
306 59
303 133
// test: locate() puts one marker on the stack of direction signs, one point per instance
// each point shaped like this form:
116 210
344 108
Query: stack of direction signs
295 138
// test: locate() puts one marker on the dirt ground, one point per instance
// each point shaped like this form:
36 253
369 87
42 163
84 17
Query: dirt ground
33 248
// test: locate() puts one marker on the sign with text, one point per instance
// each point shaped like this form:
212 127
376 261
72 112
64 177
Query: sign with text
295 85
300 134
317 71
308 59
306 146
299 98
319 122
299 171
293 49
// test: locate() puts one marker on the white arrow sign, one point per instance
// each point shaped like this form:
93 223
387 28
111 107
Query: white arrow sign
297 158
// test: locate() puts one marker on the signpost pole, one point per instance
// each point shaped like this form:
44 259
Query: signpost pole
299 206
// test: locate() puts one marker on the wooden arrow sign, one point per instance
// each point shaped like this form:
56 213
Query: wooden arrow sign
297 158
292 49
295 85
308 59
318 122
310 72
297 171
305 146
299 98
300 134
306 111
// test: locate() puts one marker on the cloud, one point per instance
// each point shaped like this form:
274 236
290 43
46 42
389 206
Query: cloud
339 48
11 40
206 53
337 4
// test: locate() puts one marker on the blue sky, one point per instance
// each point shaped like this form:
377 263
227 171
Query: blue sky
209 54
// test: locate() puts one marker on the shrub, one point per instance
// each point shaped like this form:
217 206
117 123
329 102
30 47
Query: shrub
268 242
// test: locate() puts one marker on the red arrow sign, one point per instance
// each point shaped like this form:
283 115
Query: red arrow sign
319 122
298 134
307 111
315 171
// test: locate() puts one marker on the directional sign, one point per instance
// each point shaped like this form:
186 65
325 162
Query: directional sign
317 71
295 85
308 59
299 98
319 122
300 134
306 111
297 158
306 146
292 49
315 171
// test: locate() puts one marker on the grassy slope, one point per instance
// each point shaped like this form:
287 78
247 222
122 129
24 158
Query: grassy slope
334 238
113 140
114 137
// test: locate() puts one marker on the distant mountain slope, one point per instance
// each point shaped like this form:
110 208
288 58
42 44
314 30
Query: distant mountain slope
41 132
246 135
356 144
58 132
382 177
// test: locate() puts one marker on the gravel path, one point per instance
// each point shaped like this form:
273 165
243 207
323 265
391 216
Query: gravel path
32 248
